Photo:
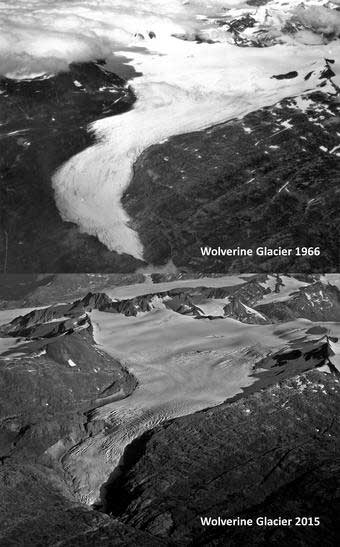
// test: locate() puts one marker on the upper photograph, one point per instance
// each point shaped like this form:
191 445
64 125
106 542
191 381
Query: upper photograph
169 136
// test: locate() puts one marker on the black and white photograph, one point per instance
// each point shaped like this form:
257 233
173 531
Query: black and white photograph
152 411
193 135
169 273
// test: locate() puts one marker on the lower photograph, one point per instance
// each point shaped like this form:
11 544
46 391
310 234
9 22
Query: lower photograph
169 409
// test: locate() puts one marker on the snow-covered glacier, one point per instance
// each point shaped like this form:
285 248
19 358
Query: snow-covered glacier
194 74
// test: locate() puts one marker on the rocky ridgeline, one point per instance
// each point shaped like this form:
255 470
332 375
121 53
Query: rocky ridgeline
55 360
246 302
44 325
253 29
271 445
296 358
50 383
308 353
317 302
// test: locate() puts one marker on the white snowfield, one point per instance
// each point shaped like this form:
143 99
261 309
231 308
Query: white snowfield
5 317
185 86
290 286
148 287
182 366
335 346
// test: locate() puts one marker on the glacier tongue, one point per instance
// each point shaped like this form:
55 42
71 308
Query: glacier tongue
185 87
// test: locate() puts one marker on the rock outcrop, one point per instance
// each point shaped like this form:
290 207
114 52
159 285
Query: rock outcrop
269 178
317 302
49 384
267 450
313 299
270 454
45 122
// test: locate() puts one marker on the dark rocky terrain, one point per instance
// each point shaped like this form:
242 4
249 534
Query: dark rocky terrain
23 290
252 29
270 450
315 300
245 303
269 179
272 454
44 122
48 387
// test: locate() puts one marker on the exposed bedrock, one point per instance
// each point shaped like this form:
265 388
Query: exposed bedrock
37 509
44 123
305 303
69 410
49 384
317 301
32 290
50 381
268 179
252 301
271 454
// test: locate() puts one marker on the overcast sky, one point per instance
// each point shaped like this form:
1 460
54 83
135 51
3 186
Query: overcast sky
38 35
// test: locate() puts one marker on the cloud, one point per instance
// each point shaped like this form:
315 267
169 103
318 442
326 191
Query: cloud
36 34
319 19
25 49
40 35
184 86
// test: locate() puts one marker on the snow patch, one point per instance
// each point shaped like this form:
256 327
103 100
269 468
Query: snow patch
253 312
172 99
290 285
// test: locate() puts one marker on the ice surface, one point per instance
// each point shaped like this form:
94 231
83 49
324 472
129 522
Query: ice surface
290 285
8 343
148 287
5 317
335 346
45 35
185 86
8 315
214 306
332 279
182 365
